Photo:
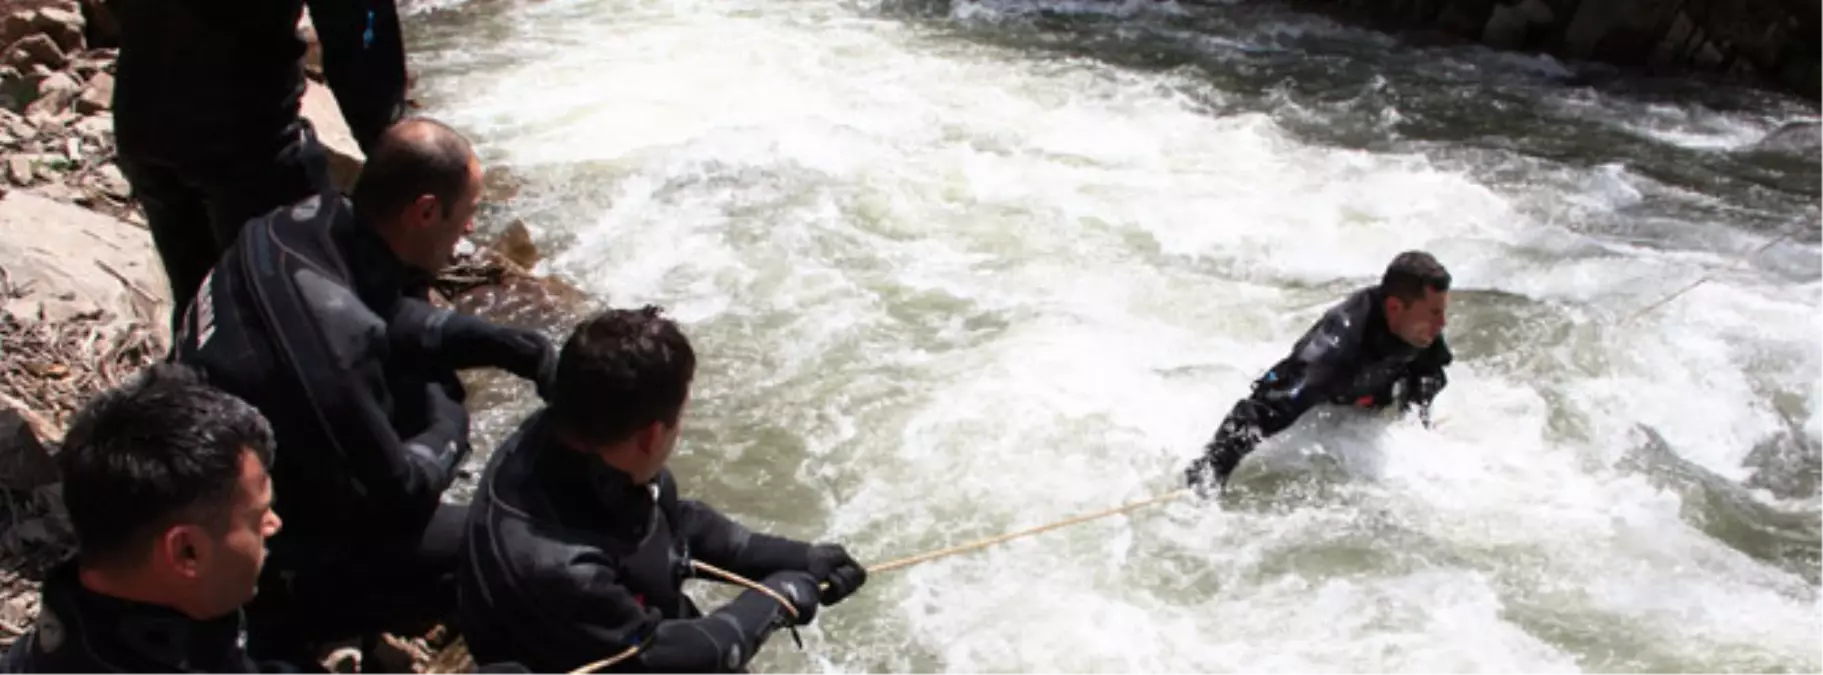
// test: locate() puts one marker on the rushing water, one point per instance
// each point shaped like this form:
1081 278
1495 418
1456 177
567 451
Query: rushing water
954 271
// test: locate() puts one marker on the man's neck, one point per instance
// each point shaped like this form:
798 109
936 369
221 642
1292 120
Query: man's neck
614 456
133 586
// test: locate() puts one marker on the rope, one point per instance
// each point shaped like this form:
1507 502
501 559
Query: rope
908 561
1787 234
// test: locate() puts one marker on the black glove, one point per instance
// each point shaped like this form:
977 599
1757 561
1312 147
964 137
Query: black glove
1210 472
831 564
800 588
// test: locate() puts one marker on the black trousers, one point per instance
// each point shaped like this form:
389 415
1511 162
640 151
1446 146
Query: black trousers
195 207
357 593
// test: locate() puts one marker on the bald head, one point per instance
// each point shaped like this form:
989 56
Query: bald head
415 157
420 189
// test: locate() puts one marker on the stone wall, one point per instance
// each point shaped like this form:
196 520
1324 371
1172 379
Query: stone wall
1768 42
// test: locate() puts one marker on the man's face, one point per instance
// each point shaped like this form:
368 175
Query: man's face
442 227
230 571
1420 321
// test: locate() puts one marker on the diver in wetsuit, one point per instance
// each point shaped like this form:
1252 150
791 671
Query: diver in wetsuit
206 112
165 481
319 317
1383 345
578 544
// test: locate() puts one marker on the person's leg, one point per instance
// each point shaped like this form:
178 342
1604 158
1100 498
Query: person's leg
179 220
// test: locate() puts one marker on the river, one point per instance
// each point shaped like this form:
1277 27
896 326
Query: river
957 270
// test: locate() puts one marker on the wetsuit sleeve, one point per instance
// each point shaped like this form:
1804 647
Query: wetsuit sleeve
719 541
363 61
436 339
1291 388
1426 377
604 619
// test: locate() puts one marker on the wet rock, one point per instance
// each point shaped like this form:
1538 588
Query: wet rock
39 49
1802 139
97 95
516 244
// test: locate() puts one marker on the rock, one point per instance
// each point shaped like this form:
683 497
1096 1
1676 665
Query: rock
63 26
516 244
345 157
25 461
97 130
17 25
111 182
313 50
65 253
1798 139
19 169
1509 25
54 95
97 95
37 49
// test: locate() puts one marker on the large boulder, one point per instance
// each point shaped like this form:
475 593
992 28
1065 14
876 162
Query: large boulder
345 157
76 261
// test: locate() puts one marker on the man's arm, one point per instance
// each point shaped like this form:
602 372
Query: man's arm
719 541
436 340
1281 396
363 61
604 620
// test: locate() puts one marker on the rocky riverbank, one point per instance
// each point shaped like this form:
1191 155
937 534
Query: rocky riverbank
1771 43
82 294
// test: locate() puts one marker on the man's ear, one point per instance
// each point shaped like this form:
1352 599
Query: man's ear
647 438
425 208
181 549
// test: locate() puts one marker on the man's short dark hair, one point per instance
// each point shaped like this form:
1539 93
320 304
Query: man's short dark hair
619 372
163 447
1412 272
417 156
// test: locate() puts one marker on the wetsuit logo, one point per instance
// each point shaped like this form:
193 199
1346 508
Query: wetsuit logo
205 310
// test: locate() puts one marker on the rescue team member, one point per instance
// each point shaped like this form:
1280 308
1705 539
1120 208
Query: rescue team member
1381 345
206 118
578 543
319 317
165 481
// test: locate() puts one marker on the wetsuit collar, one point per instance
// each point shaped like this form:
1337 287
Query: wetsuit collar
586 492
380 277
135 636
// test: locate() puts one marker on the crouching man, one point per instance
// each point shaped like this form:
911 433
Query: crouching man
578 544
165 482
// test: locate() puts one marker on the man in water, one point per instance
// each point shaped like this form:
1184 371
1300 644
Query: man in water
319 317
578 545
1382 345
206 112
165 482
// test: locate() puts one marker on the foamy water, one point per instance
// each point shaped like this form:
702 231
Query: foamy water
953 276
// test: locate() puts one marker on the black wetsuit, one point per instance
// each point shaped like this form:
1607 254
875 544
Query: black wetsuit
81 631
1349 357
569 561
206 107
313 320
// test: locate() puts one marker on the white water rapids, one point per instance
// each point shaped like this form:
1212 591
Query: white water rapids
954 275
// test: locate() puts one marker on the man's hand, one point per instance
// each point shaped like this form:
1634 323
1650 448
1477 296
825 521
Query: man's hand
831 564
800 589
